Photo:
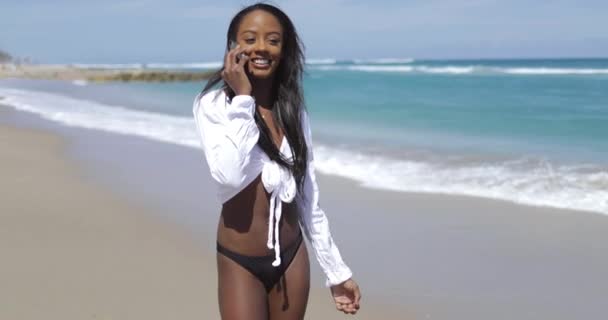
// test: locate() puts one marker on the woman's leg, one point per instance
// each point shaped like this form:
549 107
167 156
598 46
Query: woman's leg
288 298
241 295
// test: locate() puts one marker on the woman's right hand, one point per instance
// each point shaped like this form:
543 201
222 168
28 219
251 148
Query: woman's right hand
234 73
347 296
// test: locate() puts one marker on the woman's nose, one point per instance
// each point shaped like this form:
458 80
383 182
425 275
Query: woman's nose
259 46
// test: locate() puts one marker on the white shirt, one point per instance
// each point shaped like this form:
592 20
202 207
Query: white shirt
229 137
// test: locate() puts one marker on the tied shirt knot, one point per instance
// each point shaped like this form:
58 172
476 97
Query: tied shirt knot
281 185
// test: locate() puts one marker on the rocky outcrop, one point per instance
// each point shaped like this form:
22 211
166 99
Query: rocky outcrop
149 76
5 57
63 72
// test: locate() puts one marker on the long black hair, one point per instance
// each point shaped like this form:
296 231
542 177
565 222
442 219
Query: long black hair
287 91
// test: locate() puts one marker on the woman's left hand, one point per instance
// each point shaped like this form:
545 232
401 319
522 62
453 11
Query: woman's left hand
346 296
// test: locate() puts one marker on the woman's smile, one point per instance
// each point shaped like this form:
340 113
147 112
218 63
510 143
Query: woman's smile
260 63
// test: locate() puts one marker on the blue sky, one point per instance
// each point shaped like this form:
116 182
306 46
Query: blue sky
114 31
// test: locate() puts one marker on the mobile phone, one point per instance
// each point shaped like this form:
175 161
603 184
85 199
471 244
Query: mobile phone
233 45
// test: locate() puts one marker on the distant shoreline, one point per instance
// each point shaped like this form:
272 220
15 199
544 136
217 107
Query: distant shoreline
71 73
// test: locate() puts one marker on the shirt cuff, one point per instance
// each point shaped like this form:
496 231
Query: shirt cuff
243 102
338 276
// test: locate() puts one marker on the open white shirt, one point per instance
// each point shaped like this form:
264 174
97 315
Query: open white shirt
229 137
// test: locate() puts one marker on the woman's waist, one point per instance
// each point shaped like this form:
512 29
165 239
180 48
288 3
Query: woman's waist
248 233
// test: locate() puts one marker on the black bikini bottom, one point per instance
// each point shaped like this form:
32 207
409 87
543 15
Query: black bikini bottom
261 266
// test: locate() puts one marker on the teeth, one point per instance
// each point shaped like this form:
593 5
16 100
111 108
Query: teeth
261 61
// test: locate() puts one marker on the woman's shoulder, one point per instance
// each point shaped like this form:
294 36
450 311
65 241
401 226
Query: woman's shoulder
210 96
207 100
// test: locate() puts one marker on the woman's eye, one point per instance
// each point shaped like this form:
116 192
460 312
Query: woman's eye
249 41
274 41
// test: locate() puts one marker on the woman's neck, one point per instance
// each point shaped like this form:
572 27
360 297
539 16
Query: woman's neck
262 92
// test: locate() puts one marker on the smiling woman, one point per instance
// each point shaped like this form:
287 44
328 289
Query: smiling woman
256 138
261 34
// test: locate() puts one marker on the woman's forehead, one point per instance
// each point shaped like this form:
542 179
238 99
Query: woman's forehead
260 21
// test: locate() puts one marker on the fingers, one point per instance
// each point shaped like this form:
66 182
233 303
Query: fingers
340 306
243 60
347 308
346 305
234 73
228 59
357 294
238 55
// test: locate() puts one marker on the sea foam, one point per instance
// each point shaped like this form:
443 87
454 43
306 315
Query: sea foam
383 61
549 71
531 181
460 69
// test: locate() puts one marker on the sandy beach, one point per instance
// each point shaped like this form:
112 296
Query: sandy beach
96 226
75 249
460 151
71 250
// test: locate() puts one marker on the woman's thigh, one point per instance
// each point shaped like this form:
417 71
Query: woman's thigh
241 295
289 297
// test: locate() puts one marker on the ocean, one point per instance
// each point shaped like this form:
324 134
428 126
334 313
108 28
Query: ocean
533 132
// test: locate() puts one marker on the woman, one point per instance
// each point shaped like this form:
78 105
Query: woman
256 138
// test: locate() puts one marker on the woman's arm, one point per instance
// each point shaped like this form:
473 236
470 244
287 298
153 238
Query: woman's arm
228 134
315 224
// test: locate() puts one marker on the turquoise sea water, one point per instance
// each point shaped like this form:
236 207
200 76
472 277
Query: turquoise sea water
530 131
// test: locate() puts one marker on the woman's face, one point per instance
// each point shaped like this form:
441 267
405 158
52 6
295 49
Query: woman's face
261 34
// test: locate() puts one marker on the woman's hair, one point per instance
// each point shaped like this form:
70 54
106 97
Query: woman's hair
287 92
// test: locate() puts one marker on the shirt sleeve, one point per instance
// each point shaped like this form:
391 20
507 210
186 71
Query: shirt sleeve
228 133
315 224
